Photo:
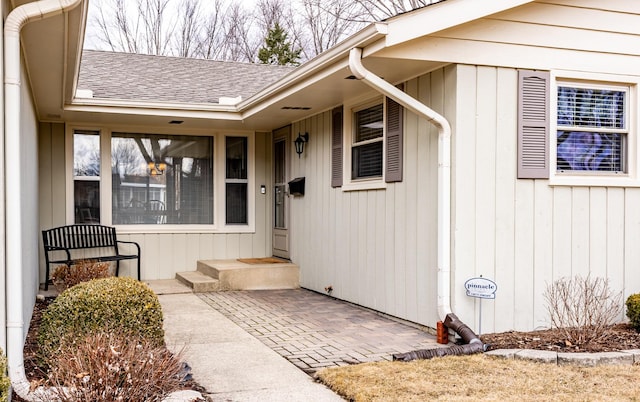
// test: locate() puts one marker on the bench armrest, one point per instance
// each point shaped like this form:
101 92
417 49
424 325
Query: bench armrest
47 249
130 242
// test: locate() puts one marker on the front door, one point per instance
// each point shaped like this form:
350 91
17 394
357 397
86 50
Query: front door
280 196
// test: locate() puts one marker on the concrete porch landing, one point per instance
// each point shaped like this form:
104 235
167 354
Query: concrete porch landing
242 274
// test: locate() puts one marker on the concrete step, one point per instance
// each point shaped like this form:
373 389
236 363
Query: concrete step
199 282
168 286
262 274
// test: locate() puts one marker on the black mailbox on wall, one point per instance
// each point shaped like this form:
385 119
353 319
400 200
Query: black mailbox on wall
296 186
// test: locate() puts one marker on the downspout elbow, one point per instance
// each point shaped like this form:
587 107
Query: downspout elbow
355 64
35 11
361 73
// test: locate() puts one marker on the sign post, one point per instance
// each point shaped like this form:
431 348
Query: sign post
481 288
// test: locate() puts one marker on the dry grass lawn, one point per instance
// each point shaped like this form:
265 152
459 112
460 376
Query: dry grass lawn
481 378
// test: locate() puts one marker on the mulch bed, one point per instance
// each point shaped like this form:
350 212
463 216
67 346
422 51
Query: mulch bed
34 373
619 337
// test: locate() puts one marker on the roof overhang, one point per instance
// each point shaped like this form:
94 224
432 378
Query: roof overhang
441 16
52 49
317 85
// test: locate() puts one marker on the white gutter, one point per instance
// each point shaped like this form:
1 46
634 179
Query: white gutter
444 171
14 265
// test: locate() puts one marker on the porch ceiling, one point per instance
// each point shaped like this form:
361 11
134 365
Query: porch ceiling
333 87
50 48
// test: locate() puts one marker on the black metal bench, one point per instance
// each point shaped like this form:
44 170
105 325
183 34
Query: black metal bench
76 237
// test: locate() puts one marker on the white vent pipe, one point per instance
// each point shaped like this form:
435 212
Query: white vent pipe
13 187
444 171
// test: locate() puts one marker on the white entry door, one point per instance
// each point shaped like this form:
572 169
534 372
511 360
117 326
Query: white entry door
281 141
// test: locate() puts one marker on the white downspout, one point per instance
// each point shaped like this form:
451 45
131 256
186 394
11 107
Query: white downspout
13 188
444 171
3 277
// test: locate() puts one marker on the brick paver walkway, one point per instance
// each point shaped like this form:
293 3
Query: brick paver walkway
314 331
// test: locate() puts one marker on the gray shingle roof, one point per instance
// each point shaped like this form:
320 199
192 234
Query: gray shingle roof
128 76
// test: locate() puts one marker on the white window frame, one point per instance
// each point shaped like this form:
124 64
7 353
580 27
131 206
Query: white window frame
219 195
75 178
234 181
589 178
349 130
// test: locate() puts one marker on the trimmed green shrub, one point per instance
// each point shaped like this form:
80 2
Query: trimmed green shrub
110 305
5 384
633 310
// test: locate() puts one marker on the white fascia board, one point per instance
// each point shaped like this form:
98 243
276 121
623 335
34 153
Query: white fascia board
151 104
314 67
444 15
75 74
155 105
147 110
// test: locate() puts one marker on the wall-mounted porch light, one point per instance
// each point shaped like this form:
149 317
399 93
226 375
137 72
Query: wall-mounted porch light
300 141
157 169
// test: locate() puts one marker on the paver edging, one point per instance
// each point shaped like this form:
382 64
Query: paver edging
624 357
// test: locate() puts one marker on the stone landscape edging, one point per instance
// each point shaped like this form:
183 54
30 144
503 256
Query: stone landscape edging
625 357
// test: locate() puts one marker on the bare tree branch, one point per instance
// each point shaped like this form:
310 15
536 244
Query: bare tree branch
210 44
152 13
375 10
225 30
328 22
239 44
188 32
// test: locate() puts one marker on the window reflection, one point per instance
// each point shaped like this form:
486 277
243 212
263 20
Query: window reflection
592 129
86 176
161 179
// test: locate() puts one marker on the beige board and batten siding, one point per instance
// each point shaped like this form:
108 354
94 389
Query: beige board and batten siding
527 233
163 254
524 234
569 35
376 248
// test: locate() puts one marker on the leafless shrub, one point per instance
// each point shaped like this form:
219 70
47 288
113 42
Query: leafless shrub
65 276
583 307
111 367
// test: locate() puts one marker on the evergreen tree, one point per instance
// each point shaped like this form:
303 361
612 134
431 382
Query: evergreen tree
277 50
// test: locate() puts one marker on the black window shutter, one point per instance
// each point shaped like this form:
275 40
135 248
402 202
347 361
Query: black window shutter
394 123
533 124
336 147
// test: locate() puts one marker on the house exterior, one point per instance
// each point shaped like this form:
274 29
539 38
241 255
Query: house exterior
541 180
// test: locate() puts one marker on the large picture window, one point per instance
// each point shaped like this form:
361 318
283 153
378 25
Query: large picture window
161 182
161 179
592 129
